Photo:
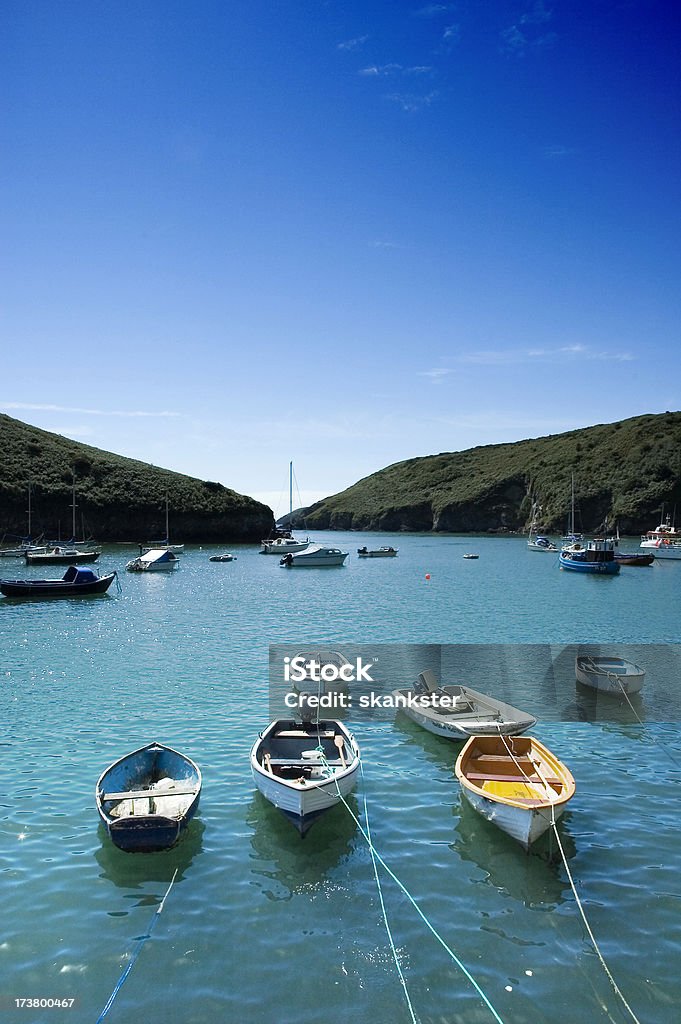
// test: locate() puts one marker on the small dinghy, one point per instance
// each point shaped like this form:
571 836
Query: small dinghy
74 583
226 557
146 798
459 712
516 783
305 768
609 675
386 551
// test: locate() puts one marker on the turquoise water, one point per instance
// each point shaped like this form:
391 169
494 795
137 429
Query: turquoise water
261 926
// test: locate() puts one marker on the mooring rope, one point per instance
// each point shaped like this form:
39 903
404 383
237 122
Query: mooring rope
133 959
616 989
450 952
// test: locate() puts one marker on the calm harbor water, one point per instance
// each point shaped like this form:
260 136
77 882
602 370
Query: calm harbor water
262 927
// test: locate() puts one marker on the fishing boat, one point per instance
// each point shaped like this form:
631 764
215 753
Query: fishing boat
516 783
305 768
609 675
664 541
74 583
596 556
283 542
60 555
383 552
164 545
225 557
155 560
314 555
147 798
458 712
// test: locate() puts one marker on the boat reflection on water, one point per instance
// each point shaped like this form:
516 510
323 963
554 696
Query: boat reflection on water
283 865
129 872
536 879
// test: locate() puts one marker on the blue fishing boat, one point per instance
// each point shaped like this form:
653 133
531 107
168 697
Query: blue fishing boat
596 556
147 798
74 583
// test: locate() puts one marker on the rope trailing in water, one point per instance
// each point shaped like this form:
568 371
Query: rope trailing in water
398 966
133 959
450 952
591 935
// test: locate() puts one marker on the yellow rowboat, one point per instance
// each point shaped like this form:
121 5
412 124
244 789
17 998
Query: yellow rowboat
516 783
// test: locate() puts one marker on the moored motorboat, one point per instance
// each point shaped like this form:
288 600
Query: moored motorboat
156 560
60 556
541 543
305 768
75 582
386 551
314 555
458 712
146 798
663 542
470 555
609 675
225 557
515 782
596 556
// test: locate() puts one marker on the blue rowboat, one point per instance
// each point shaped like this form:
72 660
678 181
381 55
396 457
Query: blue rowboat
596 556
147 798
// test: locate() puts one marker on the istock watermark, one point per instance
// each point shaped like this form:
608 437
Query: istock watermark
354 682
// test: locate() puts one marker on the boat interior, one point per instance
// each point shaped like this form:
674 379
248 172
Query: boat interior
294 753
517 773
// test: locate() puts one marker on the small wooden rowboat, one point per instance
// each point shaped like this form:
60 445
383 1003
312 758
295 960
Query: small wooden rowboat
458 712
609 675
74 583
516 783
631 558
146 798
303 769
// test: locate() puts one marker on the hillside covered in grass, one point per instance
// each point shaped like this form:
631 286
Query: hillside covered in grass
117 498
623 473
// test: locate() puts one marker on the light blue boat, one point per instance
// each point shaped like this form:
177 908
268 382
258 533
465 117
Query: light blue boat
596 556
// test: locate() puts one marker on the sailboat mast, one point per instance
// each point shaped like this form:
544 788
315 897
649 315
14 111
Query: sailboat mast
167 534
73 506
290 490
29 508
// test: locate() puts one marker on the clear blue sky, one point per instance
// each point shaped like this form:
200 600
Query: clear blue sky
344 233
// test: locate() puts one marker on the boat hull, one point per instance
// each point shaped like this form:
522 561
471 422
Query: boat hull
609 675
489 717
61 558
516 783
147 798
326 780
662 548
314 557
643 559
594 568
55 588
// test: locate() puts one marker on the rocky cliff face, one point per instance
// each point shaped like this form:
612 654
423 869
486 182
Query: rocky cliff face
624 472
117 498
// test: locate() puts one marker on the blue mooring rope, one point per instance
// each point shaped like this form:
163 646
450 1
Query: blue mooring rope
133 959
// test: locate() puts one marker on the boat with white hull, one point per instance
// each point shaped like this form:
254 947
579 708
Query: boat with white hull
458 712
609 675
516 783
313 556
663 542
303 769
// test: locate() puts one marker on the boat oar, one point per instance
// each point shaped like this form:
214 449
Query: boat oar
340 743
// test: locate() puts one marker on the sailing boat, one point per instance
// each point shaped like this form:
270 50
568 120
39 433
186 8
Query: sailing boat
67 554
571 537
164 545
283 542
27 542
540 543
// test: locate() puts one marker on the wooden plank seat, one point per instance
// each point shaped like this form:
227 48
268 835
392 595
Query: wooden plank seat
293 762
145 794
488 777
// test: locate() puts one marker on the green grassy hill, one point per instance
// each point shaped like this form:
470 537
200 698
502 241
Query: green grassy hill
623 473
116 498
